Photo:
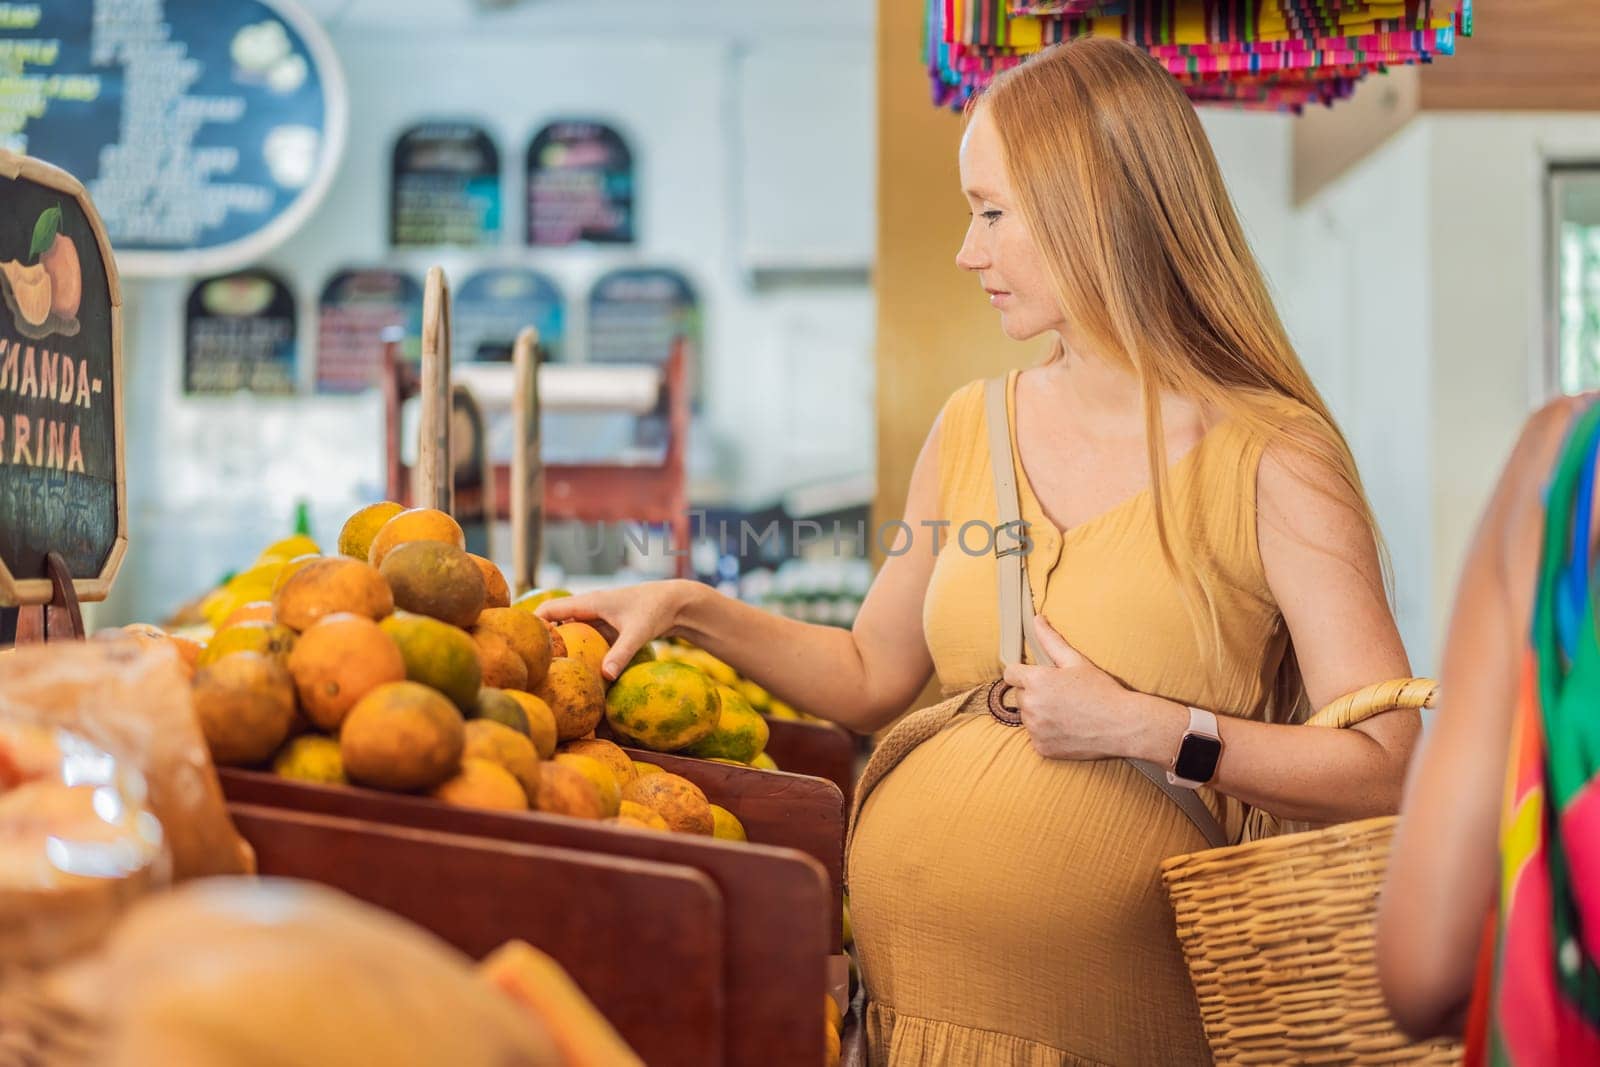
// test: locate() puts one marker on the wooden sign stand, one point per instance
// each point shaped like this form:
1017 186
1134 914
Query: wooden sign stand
527 467
435 472
60 619
63 501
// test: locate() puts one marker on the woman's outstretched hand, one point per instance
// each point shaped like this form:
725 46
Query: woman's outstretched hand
1072 710
633 615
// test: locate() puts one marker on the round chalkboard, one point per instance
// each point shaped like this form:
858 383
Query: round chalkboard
206 132
61 486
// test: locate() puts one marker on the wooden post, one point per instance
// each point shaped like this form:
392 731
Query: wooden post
435 484
527 465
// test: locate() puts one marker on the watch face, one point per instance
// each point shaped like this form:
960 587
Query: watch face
1197 758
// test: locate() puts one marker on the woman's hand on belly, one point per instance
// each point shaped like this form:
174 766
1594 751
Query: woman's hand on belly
1076 711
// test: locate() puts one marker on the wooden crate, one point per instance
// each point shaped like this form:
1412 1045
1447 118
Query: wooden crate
777 808
778 923
652 959
819 749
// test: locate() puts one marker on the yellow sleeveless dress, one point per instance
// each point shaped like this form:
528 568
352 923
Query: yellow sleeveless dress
1008 908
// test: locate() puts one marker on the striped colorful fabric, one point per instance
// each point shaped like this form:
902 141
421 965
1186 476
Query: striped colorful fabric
1277 54
1542 1004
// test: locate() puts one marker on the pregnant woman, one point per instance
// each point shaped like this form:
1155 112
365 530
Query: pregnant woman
1184 557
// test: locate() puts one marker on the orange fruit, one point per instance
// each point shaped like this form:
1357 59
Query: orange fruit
254 611
497 594
675 799
271 639
500 744
726 826
502 667
534 597
415 524
575 693
402 736
438 655
188 654
355 537
245 705
584 642
541 722
339 660
289 570
330 585
558 644
614 758
482 783
525 634
564 790
644 816
434 579
600 775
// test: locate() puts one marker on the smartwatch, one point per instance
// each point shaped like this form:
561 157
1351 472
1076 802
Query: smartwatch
1198 753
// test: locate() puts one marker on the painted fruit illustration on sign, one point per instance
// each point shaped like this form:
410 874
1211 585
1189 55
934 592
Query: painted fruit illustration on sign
45 290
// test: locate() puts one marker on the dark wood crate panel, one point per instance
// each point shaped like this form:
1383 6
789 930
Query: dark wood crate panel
777 808
777 924
643 939
819 749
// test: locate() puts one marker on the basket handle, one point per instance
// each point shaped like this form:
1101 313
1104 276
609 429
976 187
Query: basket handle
1394 695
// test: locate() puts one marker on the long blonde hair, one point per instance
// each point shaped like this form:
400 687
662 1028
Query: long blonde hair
1117 183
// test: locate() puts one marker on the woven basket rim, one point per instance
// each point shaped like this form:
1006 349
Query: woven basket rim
1279 843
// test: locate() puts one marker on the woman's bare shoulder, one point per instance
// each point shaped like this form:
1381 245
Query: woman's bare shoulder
1513 523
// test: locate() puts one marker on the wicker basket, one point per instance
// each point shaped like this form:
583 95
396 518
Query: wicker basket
1278 933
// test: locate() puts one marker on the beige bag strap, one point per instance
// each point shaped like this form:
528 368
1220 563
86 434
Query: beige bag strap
1016 596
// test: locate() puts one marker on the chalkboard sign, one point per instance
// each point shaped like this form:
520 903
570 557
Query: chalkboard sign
357 306
580 185
206 132
493 306
240 334
636 314
446 186
61 487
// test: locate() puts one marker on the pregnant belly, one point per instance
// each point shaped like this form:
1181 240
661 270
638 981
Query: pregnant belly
1016 893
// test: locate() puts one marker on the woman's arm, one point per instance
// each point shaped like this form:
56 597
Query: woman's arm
1442 871
1321 563
862 678
1322 566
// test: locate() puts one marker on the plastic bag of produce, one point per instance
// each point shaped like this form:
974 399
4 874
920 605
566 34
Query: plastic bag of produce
232 972
77 843
132 701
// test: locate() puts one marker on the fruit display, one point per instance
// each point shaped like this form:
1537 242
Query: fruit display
758 698
402 664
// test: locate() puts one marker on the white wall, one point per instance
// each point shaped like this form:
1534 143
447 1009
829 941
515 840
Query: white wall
1487 190
788 371
1419 304
1357 301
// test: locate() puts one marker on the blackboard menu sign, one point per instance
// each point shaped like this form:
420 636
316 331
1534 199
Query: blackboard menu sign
240 334
446 186
580 185
61 483
206 132
357 306
636 314
493 306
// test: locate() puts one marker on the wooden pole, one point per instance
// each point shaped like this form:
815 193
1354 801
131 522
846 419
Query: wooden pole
435 482
527 465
